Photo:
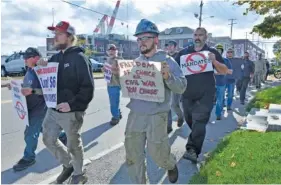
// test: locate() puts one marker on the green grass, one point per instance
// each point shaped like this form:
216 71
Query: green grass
263 98
243 157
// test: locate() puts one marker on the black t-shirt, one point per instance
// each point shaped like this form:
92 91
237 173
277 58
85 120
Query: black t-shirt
200 83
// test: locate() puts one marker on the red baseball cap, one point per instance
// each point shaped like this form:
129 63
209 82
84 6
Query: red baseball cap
63 26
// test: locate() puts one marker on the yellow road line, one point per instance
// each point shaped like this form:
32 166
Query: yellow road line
6 101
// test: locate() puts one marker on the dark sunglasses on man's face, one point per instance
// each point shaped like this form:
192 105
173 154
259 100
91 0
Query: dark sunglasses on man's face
229 52
145 38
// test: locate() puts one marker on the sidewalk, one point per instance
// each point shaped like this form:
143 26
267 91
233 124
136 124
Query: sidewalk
111 169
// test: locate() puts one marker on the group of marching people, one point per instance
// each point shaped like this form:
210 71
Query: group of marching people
148 124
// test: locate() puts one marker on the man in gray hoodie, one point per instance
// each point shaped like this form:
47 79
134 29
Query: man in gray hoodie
147 121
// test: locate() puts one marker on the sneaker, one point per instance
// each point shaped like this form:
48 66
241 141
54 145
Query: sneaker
169 129
65 174
114 121
191 155
173 175
242 103
229 108
218 118
23 164
78 179
180 122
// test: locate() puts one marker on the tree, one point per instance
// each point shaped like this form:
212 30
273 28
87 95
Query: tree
277 49
81 41
271 25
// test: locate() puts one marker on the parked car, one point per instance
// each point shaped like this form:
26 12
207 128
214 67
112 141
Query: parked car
13 65
96 66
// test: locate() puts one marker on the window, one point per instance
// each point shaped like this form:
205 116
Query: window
181 43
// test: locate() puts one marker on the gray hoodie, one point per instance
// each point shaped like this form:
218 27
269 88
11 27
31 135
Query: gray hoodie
176 83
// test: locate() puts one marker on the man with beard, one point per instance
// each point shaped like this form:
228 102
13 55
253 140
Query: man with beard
172 51
75 88
147 120
199 95
248 70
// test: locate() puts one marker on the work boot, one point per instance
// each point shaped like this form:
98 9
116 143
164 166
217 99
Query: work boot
23 164
65 174
180 122
191 155
78 179
114 121
169 129
173 175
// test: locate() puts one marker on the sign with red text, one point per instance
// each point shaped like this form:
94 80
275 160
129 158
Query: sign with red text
142 80
195 63
107 72
19 102
47 76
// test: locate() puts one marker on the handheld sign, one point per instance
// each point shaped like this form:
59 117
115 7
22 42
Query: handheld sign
107 72
142 80
47 76
19 102
195 63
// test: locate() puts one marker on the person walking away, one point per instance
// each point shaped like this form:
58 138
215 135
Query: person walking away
230 79
172 51
258 71
75 89
267 69
36 106
199 95
248 69
147 120
113 87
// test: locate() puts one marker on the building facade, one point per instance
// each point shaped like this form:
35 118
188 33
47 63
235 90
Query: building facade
242 45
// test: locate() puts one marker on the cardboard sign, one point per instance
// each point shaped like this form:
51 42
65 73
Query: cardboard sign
47 76
142 80
19 102
195 63
107 72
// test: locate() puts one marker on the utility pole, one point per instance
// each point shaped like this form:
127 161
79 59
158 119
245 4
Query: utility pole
231 26
200 16
53 16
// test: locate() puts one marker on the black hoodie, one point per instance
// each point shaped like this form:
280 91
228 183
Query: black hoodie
75 83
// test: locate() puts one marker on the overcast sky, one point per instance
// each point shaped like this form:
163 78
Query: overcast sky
24 22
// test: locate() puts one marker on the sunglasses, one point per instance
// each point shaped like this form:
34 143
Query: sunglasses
229 52
145 38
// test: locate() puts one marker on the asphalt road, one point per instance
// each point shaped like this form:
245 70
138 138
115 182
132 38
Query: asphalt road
103 144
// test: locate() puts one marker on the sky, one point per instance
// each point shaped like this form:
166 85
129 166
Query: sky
24 22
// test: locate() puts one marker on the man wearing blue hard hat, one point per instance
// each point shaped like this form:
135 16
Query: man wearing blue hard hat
147 121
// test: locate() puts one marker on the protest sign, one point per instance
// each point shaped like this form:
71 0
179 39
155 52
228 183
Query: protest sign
107 72
195 63
47 76
142 80
19 102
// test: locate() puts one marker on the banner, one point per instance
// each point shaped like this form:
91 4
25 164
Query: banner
107 72
142 80
195 63
19 102
47 76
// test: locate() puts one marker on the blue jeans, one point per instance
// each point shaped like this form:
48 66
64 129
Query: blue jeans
219 103
230 93
31 135
114 99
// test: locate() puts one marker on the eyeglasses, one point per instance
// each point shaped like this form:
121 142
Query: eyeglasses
145 38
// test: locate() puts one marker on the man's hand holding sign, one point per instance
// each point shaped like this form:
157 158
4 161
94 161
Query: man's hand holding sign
165 69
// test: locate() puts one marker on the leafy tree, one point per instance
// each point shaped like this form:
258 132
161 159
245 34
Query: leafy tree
277 49
271 25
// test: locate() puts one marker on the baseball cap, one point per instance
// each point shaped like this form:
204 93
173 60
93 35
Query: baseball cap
63 26
173 42
111 47
31 52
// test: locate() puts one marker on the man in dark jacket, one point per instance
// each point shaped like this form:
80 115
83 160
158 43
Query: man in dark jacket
75 89
197 63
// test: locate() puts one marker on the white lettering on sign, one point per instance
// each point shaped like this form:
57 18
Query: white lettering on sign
141 80
196 63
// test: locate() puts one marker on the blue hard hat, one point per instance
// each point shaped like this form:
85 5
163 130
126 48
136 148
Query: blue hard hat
146 26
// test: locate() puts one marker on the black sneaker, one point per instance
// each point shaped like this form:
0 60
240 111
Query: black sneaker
218 118
190 155
78 179
114 121
173 175
169 129
229 108
23 164
180 122
65 174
